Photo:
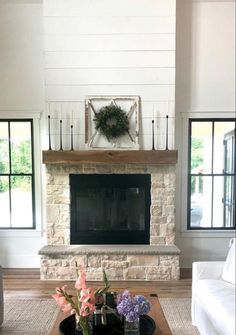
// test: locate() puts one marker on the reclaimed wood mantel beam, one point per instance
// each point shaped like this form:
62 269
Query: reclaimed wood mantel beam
110 157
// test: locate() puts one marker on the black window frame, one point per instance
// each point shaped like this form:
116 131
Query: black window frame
32 174
212 174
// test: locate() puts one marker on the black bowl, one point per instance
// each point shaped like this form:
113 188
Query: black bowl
67 327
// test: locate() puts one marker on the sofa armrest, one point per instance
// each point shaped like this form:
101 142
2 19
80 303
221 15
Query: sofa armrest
207 270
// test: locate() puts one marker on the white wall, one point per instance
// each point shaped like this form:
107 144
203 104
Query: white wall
21 55
205 86
119 47
22 95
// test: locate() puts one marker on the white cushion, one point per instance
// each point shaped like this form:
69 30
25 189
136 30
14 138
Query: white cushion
218 299
229 267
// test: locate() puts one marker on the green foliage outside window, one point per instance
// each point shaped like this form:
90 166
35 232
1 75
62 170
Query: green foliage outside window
21 157
196 161
4 185
21 163
4 157
197 147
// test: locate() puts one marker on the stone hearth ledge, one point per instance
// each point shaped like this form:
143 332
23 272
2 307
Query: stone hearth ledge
121 262
120 249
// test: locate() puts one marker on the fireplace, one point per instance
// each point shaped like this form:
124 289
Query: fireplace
110 208
151 187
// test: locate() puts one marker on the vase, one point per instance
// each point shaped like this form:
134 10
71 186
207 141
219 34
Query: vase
84 325
132 328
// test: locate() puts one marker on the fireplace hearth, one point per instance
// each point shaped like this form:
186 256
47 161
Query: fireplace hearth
110 208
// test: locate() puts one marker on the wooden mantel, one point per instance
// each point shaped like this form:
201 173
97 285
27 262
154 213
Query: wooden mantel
110 157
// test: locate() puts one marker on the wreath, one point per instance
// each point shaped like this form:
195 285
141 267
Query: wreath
111 121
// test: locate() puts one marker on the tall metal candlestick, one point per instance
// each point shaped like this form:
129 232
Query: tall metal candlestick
49 133
71 138
167 132
153 146
61 135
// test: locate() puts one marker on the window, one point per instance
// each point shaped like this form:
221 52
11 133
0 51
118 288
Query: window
211 174
16 175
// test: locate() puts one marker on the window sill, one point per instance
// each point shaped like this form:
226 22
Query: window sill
207 233
20 233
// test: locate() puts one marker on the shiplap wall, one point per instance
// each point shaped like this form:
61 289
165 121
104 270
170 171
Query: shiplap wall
110 47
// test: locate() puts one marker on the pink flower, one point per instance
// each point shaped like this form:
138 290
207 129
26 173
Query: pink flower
87 295
62 302
61 290
59 299
81 281
85 304
66 308
86 309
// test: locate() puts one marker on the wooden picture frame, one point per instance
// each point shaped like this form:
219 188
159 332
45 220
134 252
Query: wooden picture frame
95 140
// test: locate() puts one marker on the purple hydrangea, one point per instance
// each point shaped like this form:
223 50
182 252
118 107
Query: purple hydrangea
132 307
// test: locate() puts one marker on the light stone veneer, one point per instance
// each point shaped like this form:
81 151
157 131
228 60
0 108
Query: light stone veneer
128 266
121 262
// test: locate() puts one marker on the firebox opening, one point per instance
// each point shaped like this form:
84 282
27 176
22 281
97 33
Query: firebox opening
110 208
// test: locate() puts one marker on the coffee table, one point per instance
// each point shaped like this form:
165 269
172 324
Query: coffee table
156 313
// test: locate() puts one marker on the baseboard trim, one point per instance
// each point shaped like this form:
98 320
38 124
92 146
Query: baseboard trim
21 273
185 273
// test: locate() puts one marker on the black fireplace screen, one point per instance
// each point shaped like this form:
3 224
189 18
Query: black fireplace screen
110 209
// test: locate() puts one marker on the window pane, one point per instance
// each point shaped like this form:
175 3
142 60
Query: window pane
201 147
4 202
201 203
4 148
229 155
218 205
229 201
21 200
224 147
21 147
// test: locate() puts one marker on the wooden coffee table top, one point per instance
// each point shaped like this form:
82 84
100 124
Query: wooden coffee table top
156 312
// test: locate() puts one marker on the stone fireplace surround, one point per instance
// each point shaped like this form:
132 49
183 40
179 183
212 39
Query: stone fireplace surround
157 261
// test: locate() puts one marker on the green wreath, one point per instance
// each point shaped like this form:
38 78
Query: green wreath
111 121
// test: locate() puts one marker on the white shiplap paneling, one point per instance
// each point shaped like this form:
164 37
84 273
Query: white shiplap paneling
109 7
110 47
109 42
130 76
78 93
111 25
119 59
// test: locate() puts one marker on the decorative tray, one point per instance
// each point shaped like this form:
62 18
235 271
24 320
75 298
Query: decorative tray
147 327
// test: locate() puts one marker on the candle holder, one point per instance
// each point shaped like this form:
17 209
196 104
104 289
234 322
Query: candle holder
153 145
49 133
71 138
61 148
167 118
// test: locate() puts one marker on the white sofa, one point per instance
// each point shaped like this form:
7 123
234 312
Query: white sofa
213 296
